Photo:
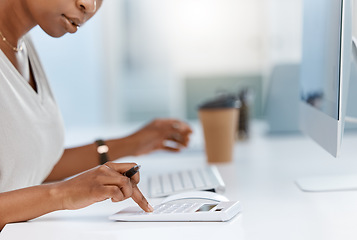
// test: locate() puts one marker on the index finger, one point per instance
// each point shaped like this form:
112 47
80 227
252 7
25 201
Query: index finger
139 198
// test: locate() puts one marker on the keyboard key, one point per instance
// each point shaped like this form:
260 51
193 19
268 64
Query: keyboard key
177 182
187 180
197 180
207 177
166 184
156 187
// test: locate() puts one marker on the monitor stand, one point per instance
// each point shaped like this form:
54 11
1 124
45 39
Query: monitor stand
333 182
328 183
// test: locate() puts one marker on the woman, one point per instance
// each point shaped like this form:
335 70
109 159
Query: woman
31 130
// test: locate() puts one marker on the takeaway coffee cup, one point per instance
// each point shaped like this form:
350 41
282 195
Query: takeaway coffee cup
219 123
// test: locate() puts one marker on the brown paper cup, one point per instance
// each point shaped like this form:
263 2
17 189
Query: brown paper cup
219 129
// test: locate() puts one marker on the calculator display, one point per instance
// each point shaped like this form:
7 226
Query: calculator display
206 207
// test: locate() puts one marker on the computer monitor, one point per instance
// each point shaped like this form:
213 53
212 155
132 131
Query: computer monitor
325 70
324 79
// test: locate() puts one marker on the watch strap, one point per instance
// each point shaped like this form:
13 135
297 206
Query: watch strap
102 149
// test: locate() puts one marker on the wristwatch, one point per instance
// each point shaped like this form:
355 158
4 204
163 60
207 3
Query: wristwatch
102 150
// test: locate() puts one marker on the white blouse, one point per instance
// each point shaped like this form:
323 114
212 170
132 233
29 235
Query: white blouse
31 127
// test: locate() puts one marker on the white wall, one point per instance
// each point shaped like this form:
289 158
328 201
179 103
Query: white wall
283 36
284 29
110 35
84 69
74 71
216 36
130 61
354 2
172 39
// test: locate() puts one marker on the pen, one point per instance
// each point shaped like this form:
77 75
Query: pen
131 172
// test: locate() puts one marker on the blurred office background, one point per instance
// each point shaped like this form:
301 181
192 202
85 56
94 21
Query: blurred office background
141 59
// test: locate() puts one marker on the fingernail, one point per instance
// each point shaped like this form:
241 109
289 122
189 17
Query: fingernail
151 209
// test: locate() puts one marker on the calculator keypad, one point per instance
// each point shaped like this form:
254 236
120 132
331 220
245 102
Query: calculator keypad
168 208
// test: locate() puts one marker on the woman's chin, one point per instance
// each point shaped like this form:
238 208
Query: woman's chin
55 34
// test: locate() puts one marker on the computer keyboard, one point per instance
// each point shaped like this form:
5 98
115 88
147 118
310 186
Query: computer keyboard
205 178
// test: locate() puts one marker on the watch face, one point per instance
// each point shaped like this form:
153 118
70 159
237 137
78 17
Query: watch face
102 149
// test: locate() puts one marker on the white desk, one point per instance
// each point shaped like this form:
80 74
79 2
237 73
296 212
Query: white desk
261 176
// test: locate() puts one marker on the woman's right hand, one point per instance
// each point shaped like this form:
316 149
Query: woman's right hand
101 183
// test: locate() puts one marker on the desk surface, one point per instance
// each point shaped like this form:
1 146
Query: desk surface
261 177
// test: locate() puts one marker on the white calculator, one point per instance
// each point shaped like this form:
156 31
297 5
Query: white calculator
183 209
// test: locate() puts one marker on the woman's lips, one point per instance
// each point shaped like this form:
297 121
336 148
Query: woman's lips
72 24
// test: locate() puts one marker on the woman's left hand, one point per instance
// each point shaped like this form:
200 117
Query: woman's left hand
161 134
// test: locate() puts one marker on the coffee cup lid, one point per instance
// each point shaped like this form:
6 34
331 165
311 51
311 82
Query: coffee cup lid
228 101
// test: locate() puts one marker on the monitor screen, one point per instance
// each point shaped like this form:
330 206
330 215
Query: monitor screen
321 69
324 77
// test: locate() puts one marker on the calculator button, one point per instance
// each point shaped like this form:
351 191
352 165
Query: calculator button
192 207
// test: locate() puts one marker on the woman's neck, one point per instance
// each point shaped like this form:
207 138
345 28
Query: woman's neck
15 20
